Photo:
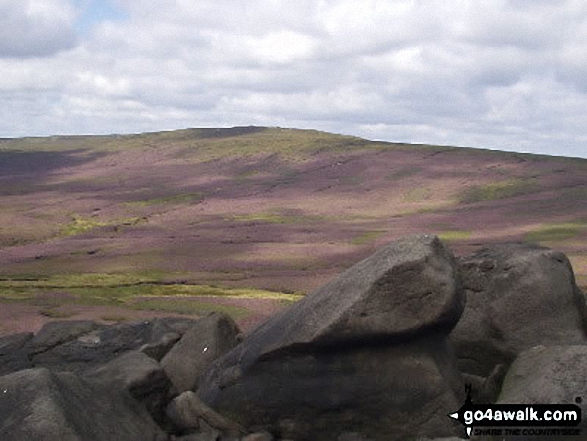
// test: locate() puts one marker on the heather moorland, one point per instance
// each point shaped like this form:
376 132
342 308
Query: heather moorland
247 220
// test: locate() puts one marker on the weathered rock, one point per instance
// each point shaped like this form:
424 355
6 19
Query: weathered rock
13 352
199 437
352 436
258 436
14 342
492 384
188 412
59 332
141 376
366 351
96 347
76 346
158 349
39 405
163 325
486 389
518 296
209 338
548 375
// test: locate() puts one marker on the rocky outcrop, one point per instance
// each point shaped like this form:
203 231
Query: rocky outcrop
95 348
79 346
380 353
40 405
366 352
518 296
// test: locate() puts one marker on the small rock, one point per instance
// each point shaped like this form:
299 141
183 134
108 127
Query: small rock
186 411
259 436
157 350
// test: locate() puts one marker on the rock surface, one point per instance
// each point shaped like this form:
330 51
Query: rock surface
142 377
60 332
188 413
208 339
159 348
14 355
366 351
548 375
518 296
79 346
39 405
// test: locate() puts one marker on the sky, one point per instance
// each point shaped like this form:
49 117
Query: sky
499 74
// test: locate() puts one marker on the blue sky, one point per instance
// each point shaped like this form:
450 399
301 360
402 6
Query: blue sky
92 12
500 74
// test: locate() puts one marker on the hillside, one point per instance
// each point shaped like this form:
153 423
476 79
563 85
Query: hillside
260 208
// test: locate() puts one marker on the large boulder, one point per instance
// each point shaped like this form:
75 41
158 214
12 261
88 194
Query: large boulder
518 296
548 375
208 339
40 405
365 353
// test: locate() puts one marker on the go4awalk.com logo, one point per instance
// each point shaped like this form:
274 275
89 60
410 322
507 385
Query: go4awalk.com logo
518 419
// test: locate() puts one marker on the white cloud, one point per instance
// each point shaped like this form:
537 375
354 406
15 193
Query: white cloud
491 73
33 28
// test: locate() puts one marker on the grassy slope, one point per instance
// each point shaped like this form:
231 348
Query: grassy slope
275 209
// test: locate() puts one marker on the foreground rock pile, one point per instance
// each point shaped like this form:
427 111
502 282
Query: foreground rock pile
380 353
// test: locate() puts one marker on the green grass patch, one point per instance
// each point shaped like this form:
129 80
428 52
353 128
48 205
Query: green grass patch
246 174
556 232
417 194
271 218
454 235
184 198
403 173
574 193
96 280
114 318
351 180
367 236
128 291
118 289
189 307
497 190
80 225
55 313
274 218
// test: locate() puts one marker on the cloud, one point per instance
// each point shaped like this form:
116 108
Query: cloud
35 28
488 73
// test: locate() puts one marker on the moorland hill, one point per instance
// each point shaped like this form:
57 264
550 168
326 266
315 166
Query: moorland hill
197 211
